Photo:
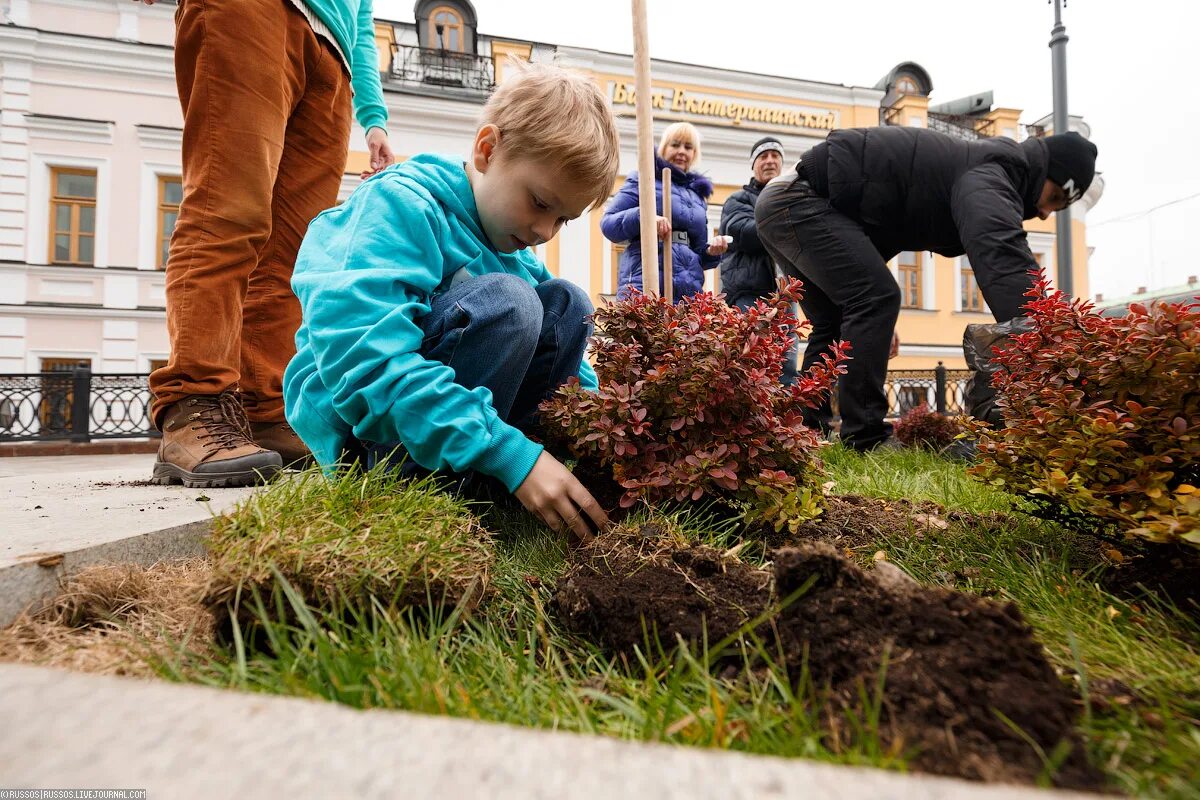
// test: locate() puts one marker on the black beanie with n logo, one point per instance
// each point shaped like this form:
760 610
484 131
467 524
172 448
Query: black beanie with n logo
1071 163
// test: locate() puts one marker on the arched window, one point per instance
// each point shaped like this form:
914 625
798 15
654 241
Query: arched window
446 29
905 84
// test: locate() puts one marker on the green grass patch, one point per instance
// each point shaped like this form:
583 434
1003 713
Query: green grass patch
360 535
508 660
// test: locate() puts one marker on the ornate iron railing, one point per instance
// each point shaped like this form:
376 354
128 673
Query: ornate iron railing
940 389
75 406
425 66
80 405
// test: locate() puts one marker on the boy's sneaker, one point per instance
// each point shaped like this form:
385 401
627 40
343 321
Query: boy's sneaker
206 444
280 437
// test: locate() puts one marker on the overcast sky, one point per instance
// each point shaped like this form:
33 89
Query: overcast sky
1132 71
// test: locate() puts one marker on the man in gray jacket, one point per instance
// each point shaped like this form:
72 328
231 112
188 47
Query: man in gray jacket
747 271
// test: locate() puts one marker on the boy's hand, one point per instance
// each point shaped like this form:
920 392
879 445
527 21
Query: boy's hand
551 493
380 152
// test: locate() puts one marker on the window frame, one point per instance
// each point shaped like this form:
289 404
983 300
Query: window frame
460 26
161 208
917 271
75 203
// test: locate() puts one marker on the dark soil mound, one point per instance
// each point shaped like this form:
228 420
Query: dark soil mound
954 663
958 667
624 588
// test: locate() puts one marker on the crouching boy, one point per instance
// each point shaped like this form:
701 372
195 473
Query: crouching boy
428 323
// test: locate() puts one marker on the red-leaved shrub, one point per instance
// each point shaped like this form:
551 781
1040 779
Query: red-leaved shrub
921 427
1102 414
690 405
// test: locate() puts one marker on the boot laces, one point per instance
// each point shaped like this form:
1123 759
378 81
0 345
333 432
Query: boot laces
223 421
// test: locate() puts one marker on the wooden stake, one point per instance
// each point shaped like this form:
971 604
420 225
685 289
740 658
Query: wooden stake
669 244
645 129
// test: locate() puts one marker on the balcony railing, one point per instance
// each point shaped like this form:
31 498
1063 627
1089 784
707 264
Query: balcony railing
425 66
973 128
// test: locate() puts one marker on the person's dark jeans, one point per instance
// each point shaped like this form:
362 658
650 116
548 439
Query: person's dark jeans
788 377
521 342
849 294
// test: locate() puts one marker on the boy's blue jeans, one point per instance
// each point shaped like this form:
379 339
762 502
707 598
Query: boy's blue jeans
522 342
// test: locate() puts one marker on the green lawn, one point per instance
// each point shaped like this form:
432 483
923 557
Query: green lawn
509 661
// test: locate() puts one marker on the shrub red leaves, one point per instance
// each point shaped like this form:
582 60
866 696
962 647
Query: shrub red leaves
690 404
1103 414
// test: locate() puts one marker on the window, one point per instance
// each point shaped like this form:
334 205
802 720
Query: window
170 195
908 275
617 250
972 297
58 393
446 29
72 216
906 85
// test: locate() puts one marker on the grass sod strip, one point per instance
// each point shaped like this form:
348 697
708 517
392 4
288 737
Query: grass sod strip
359 535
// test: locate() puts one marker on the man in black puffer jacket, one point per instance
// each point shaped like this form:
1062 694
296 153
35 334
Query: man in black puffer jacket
865 194
747 272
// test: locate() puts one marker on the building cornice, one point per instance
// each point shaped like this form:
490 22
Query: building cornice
160 136
89 53
87 312
70 129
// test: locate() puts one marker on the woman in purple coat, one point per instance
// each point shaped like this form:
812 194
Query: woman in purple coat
691 252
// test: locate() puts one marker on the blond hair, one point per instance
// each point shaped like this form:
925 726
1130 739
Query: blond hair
682 131
547 113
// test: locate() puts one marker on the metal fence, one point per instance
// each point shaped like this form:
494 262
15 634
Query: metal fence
75 406
79 406
940 389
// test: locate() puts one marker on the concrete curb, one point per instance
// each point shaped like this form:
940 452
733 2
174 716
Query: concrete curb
63 729
39 579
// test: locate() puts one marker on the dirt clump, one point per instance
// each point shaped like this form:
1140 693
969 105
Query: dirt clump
631 583
967 690
117 620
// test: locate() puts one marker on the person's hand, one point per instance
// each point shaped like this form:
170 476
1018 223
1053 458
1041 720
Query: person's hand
664 227
895 348
380 152
147 2
552 494
718 246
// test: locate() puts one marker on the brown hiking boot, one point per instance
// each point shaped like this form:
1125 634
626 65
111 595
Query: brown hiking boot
280 437
206 444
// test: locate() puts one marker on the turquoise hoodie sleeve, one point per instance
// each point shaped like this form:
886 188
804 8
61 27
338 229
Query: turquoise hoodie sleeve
369 269
369 108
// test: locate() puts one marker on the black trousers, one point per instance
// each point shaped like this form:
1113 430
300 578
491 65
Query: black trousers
849 294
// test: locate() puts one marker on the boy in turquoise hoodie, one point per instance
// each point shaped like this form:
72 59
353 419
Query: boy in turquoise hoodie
427 322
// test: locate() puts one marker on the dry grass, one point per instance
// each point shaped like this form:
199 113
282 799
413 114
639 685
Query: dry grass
117 620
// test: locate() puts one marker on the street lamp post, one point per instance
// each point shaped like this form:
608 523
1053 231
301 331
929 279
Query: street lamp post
1062 219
